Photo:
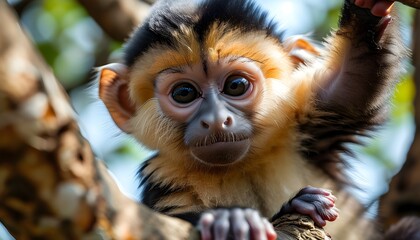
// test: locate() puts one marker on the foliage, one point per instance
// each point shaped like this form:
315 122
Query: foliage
70 41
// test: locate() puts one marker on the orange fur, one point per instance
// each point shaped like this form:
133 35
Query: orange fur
251 181
275 167
223 40
265 51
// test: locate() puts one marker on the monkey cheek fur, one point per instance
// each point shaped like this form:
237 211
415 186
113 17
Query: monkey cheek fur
221 153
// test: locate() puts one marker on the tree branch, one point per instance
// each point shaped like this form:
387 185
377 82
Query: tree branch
411 3
117 17
403 197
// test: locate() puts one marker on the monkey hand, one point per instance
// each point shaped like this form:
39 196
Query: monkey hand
379 8
235 223
365 21
317 203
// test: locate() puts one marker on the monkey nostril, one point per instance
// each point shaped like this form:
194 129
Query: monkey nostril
216 124
228 122
205 125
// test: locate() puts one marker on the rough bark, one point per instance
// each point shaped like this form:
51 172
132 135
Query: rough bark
403 197
51 186
292 227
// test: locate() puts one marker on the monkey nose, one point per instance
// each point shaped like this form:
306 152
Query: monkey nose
217 124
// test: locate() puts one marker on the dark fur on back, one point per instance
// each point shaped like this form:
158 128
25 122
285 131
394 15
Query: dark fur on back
407 228
169 15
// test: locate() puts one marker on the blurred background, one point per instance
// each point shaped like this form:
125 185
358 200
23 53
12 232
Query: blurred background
73 45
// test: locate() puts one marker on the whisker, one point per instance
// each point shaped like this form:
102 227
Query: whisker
218 137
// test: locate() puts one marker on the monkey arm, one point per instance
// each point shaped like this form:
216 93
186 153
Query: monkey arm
363 63
352 85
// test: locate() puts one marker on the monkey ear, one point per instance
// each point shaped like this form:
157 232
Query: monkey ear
300 49
113 90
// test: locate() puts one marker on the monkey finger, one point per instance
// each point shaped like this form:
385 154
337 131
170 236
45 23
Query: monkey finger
269 230
329 214
320 200
382 8
314 190
332 198
323 210
308 209
205 225
379 8
324 207
364 3
240 226
221 224
333 214
256 224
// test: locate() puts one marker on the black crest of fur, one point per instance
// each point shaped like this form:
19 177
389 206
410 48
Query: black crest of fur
165 18
168 16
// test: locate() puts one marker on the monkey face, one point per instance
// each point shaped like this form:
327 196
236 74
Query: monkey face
204 100
213 100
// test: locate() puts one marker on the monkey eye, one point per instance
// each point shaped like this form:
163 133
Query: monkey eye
184 93
236 85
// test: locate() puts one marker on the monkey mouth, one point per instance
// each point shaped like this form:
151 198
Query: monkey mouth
218 138
221 150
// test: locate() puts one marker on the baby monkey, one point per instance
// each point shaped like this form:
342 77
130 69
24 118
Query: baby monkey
242 120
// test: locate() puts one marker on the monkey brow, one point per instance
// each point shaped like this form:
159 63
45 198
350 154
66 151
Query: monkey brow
242 59
170 70
177 69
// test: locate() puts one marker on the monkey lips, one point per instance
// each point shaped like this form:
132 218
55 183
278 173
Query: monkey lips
220 149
